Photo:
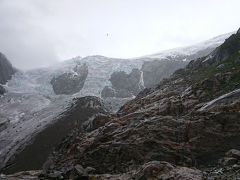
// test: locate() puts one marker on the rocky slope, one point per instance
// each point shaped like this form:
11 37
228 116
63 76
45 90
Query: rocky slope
79 114
188 120
170 114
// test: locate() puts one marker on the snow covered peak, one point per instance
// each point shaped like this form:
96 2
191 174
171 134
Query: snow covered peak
192 52
100 68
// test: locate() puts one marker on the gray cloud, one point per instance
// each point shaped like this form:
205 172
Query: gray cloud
21 39
36 33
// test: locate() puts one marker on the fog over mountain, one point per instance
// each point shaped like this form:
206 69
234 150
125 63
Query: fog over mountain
119 89
39 33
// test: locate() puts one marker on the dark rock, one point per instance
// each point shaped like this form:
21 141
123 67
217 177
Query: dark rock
157 70
238 32
122 80
80 170
108 91
2 90
233 153
61 131
209 84
226 161
230 47
124 85
71 82
6 69
123 93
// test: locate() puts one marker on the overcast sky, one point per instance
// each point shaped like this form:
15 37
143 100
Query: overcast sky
36 33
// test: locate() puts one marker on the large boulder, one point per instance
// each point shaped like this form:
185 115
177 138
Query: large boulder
70 82
6 69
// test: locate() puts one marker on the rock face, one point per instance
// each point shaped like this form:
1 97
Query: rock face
6 69
152 72
70 82
219 56
155 71
190 119
2 90
124 85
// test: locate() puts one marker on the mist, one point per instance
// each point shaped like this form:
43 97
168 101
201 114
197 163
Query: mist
36 33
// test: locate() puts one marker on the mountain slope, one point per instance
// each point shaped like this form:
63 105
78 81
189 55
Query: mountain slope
182 121
19 124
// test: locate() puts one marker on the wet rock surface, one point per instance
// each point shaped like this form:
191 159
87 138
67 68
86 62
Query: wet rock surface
2 90
124 85
70 82
6 69
82 110
155 71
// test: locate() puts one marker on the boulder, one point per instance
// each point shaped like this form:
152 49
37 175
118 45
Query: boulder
70 82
